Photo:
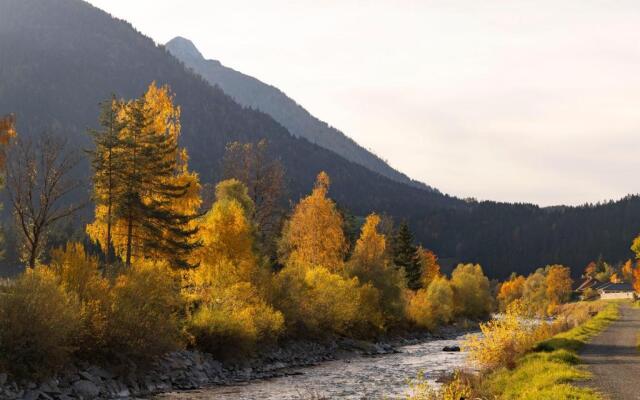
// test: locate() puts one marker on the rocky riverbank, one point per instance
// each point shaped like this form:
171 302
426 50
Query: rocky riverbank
188 369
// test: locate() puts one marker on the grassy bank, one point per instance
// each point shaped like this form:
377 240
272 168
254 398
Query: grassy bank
550 369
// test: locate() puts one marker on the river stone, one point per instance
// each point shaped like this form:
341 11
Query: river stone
86 389
451 348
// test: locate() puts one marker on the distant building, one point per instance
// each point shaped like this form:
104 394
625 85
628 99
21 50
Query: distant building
609 291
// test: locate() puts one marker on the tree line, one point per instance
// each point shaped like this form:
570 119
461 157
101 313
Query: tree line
168 262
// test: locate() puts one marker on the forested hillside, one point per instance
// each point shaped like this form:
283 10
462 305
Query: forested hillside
60 58
251 92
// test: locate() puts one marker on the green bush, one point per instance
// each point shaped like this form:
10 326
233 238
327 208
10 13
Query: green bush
39 322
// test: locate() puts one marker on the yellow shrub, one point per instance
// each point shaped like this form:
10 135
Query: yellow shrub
235 321
78 273
433 306
319 302
38 324
145 312
457 389
503 339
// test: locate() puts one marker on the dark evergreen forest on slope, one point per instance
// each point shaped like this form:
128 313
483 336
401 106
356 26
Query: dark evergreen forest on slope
60 58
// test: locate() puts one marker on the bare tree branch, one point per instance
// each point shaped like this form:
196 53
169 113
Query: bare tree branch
40 182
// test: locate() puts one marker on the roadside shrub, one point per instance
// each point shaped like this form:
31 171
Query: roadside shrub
472 291
146 307
235 322
38 324
503 339
433 306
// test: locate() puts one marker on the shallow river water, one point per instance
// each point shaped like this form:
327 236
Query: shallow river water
379 377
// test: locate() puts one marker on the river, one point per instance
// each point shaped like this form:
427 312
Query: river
379 377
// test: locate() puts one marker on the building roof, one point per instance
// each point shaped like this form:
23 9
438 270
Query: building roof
615 287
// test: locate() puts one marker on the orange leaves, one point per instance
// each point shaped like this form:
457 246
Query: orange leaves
511 290
7 131
370 247
429 266
558 284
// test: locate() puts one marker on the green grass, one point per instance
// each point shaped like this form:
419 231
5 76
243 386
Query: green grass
548 371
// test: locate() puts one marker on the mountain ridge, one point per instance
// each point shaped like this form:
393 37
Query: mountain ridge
252 92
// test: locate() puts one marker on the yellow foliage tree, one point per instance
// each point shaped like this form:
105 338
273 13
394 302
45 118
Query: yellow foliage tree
314 233
228 289
558 283
627 271
428 265
369 263
433 306
511 290
472 292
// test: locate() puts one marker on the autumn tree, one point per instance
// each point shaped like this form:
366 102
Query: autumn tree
370 264
432 306
472 291
558 282
40 181
156 196
627 271
635 247
228 288
314 233
263 175
534 293
511 290
429 266
404 256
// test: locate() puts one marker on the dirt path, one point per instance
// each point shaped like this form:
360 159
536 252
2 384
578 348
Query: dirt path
613 357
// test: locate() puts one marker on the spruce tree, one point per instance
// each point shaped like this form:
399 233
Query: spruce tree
405 256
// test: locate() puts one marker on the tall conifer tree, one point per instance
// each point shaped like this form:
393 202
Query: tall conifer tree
107 162
156 197
405 256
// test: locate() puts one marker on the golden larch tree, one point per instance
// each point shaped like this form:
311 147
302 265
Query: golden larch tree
314 233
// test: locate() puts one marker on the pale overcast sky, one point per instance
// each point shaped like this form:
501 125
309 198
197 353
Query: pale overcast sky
530 101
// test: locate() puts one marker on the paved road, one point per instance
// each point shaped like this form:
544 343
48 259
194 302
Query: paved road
613 357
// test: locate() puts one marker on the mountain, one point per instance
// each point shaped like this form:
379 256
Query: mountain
60 58
251 92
